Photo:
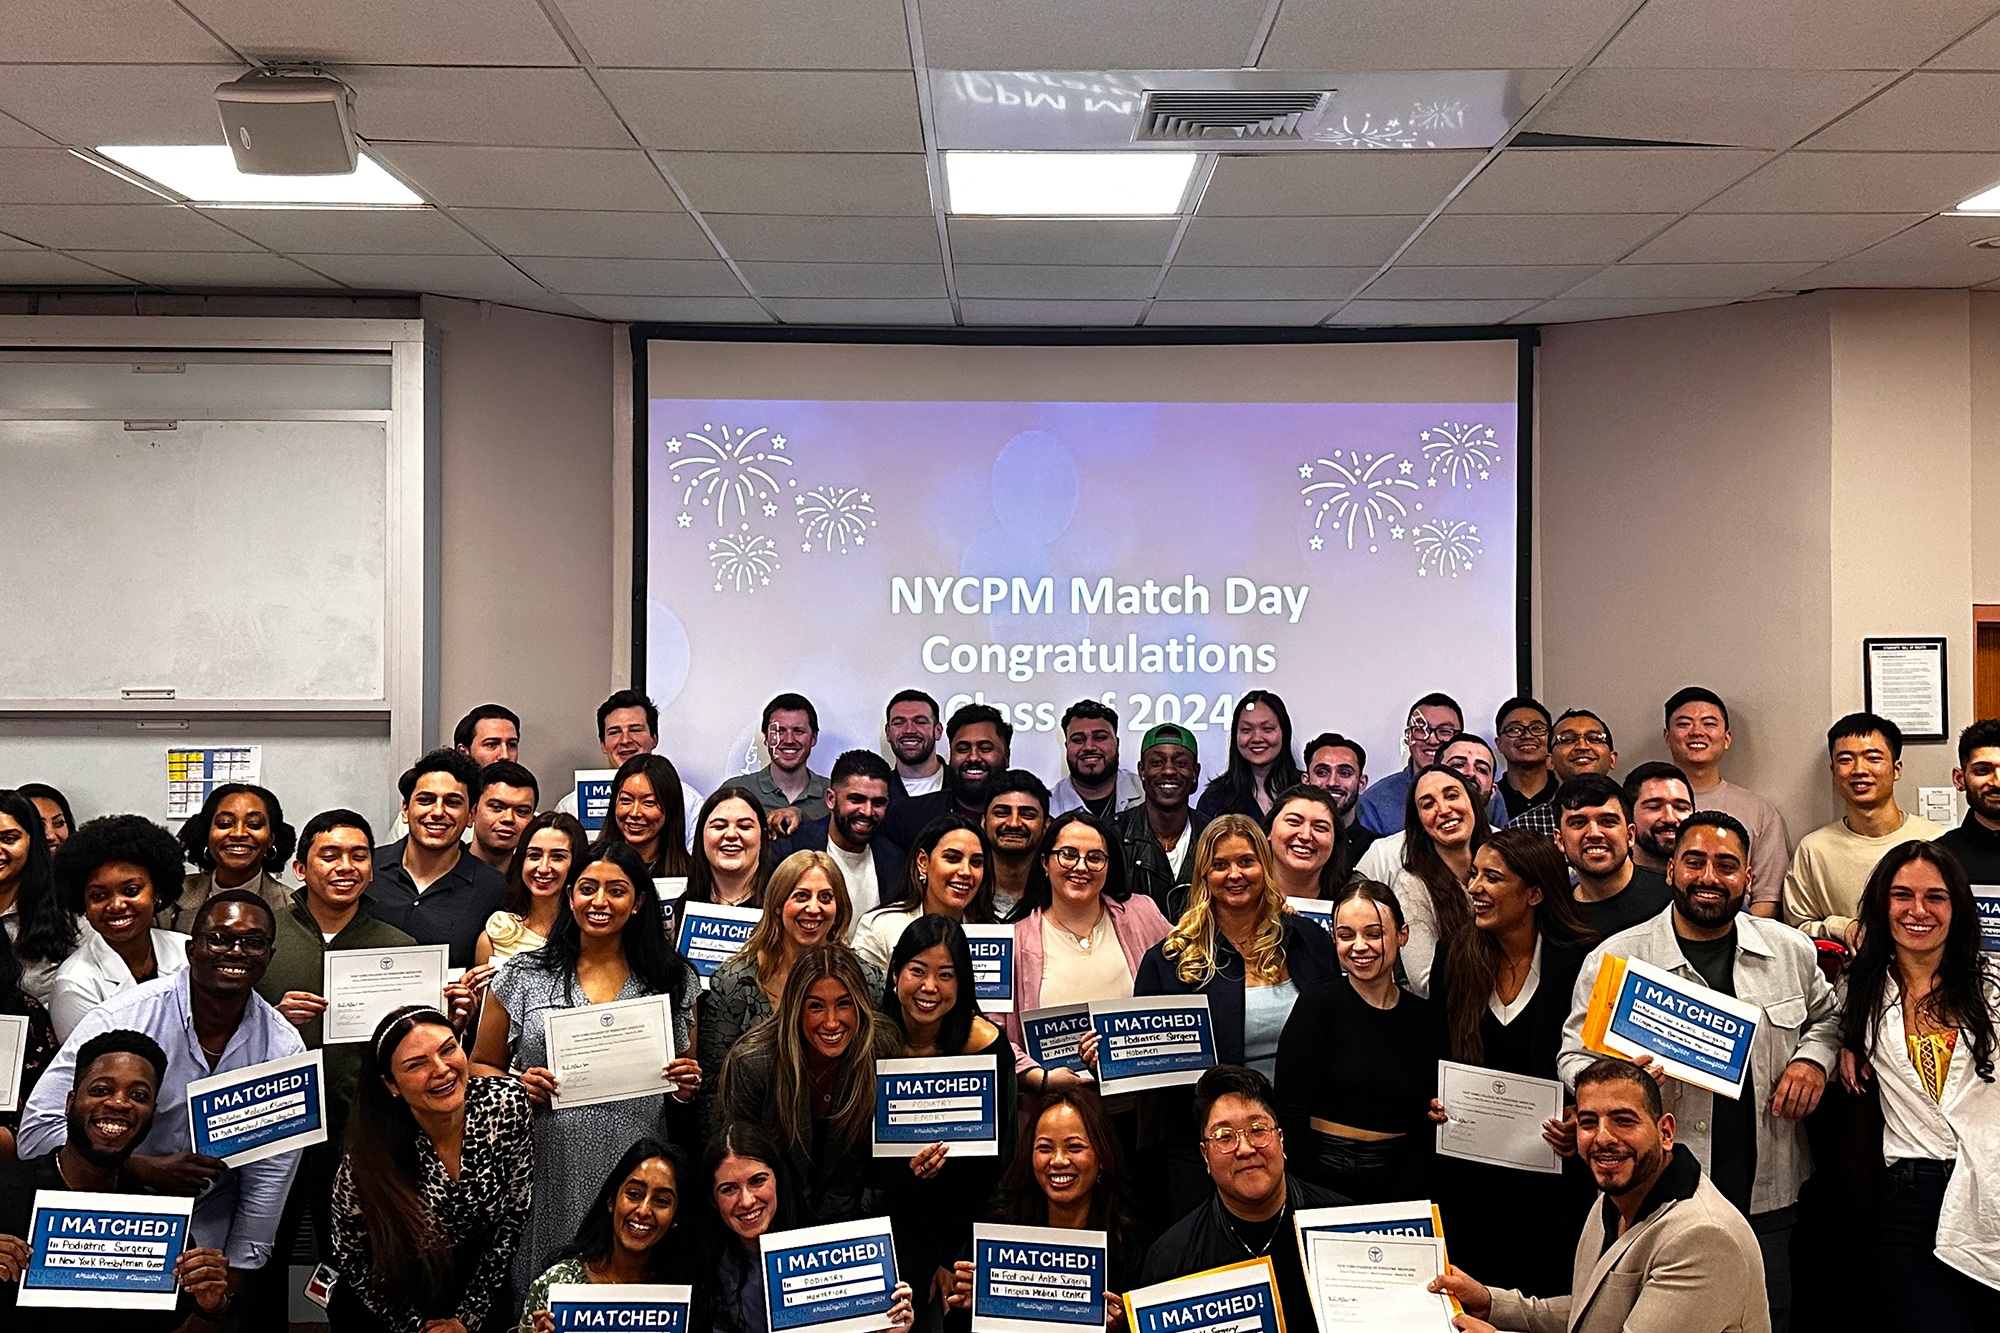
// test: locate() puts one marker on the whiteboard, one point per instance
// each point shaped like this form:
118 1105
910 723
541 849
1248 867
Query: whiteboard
225 560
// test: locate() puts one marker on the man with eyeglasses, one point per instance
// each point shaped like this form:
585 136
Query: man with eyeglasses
1522 728
1250 1214
1435 721
790 729
1580 744
1697 736
208 1019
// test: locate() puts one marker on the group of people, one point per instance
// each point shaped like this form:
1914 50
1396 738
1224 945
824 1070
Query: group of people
1348 935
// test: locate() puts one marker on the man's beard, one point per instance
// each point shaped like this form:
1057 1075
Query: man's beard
1659 847
1645 1167
1104 774
971 794
79 1139
850 834
1703 915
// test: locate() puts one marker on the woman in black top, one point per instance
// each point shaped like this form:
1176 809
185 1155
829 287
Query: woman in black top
1357 1063
1260 760
1505 989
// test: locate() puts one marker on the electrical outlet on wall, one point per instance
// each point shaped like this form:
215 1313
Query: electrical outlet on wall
1938 804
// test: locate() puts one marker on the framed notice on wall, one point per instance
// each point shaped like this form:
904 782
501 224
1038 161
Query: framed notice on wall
1904 681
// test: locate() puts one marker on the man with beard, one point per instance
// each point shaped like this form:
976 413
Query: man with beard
1661 800
1976 842
208 1019
108 1109
1090 748
1017 810
980 738
1580 744
1468 756
1340 766
1611 894
1754 1146
1160 834
913 730
1664 1249
857 796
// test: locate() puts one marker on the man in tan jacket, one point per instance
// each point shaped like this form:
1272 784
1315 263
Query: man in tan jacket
1663 1253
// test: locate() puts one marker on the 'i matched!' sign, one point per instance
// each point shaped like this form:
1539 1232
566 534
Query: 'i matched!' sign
1156 1042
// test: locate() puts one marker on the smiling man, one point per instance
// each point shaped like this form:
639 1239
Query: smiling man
1017 810
1340 765
1581 743
980 740
1595 834
502 805
428 886
1434 721
1976 842
1697 736
1661 801
913 728
1522 726
790 729
857 797
1833 862
1160 835
1090 751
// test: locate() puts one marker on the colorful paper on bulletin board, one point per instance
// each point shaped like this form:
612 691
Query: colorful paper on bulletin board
193 771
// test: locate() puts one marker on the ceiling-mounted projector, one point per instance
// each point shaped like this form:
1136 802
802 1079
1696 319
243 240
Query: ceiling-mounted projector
289 122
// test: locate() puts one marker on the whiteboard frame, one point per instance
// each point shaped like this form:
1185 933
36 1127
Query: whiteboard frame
413 523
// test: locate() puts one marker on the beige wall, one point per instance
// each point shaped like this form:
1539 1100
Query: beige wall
528 526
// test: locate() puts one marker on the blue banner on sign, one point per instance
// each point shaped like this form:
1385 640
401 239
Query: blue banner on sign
955 1099
709 935
992 966
593 800
1988 898
1677 1024
1241 1298
827 1277
1036 1281
103 1246
260 1111
1055 1036
1152 1043
599 1316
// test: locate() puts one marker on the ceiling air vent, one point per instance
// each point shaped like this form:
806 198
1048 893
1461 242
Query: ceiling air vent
1233 114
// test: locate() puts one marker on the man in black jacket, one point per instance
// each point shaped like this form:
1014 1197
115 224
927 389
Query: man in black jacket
1250 1214
1160 832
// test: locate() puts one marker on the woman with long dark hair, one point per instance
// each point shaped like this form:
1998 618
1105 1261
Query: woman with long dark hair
1260 759
39 933
634 1232
434 1188
647 813
731 862
609 944
1922 1005
950 872
808 1072
1505 986
1444 823
42 1044
239 840
1309 844
537 878
58 821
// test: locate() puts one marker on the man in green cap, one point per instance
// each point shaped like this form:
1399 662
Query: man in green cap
1160 834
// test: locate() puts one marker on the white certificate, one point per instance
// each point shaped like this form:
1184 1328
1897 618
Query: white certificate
364 985
609 1052
1497 1118
13 1054
1377 1282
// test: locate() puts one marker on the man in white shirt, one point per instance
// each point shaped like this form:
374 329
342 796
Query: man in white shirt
913 730
857 796
1697 736
1090 749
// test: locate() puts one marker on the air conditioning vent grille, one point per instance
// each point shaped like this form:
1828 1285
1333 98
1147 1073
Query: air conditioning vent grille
1231 114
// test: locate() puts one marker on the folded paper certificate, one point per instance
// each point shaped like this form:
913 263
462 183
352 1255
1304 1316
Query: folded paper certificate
1696 1034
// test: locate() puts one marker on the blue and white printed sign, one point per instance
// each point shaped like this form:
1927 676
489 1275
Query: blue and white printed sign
1157 1042
1987 896
1054 1036
1237 1298
951 1099
607 1307
710 934
1319 911
1029 1279
104 1251
1698 1035
832 1279
593 797
249 1114
992 967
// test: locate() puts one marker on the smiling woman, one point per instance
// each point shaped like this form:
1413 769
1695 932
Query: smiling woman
633 1232
111 873
240 840
949 873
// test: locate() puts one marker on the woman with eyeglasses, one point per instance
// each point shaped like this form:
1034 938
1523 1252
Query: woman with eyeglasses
949 873
1444 823
1260 760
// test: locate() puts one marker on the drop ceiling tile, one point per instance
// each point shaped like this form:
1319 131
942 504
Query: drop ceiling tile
1580 238
1603 180
745 34
1263 314
835 313
1333 184
217 270
389 32
536 231
21 267
1472 34
1769 238
159 226
1861 183
770 111
1315 242
1980 50
1686 281
837 184
1471 282
1089 34
856 281
676 310
1055 282
1263 284
474 276
54 176
14 134
635 277
1935 112
911 240
136 31
1789 34
356 231
1569 311
1935 253
551 108
583 178
88 105
1430 313
1704 106
1061 240
1055 314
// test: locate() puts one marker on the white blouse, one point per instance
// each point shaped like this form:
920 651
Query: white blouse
95 973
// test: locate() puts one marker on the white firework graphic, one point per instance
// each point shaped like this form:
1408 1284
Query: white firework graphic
835 516
1360 129
1460 453
1438 116
733 467
1362 493
1446 546
743 564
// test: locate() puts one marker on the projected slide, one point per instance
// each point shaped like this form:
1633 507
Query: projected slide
1162 556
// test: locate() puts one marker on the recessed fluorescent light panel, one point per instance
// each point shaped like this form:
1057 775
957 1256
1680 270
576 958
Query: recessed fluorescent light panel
1986 201
1046 185
207 174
